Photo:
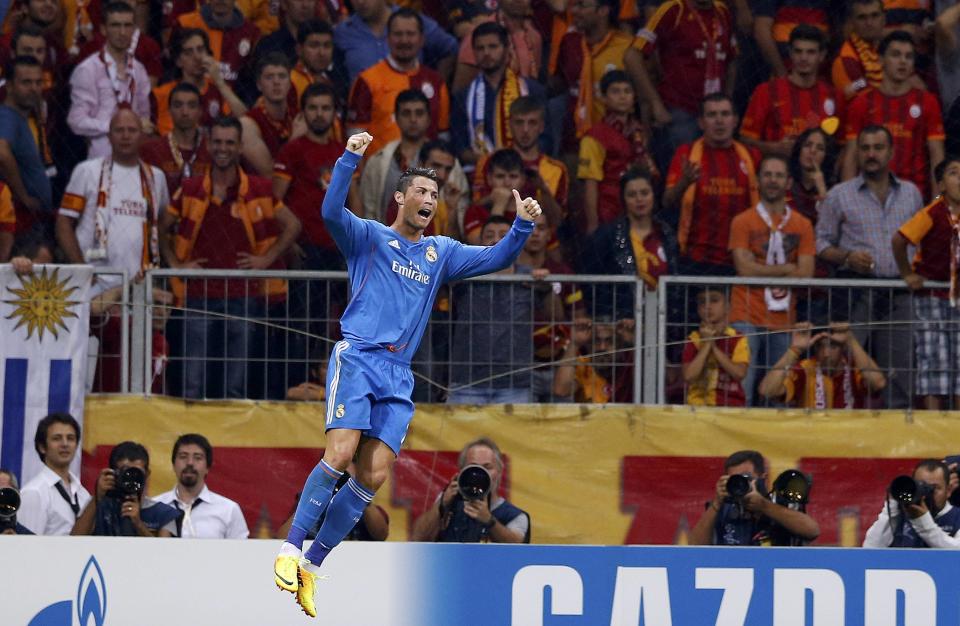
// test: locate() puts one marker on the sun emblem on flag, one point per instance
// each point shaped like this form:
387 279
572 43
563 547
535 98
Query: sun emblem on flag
43 304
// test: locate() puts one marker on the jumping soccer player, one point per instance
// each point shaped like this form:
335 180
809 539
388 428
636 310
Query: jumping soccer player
395 273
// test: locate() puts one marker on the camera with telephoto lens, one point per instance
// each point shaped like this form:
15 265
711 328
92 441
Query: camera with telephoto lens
905 490
129 483
792 490
9 505
738 485
473 482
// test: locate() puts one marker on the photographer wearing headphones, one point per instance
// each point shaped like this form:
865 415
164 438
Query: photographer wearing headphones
930 520
742 513
121 507
9 505
470 509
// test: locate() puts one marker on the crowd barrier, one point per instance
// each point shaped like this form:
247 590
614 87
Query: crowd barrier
587 474
152 582
497 334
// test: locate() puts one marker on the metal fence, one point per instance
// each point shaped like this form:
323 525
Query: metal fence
887 320
512 338
108 351
503 338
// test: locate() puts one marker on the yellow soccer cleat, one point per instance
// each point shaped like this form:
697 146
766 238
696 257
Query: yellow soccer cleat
285 573
308 584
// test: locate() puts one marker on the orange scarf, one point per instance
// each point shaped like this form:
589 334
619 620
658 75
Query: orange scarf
583 114
868 59
511 89
686 206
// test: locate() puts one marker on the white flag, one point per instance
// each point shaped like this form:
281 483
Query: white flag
44 324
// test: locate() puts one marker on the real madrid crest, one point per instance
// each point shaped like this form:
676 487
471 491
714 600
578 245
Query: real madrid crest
244 47
341 410
431 254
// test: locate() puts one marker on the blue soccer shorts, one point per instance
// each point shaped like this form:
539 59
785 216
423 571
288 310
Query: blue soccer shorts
368 393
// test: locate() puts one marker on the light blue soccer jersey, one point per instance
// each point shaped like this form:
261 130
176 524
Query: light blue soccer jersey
394 282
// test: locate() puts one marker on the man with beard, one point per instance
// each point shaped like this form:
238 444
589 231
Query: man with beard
395 275
768 239
301 174
838 374
373 95
206 515
21 156
483 107
855 227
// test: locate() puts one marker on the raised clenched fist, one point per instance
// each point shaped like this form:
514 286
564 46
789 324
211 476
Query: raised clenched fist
358 143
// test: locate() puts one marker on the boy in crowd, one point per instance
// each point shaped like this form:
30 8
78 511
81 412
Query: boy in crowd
715 358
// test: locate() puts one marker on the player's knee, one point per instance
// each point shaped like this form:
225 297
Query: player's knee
338 456
373 478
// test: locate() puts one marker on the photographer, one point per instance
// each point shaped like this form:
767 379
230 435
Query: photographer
9 505
121 507
752 519
474 511
930 521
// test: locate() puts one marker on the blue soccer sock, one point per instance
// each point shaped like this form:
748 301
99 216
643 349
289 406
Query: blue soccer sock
342 515
313 502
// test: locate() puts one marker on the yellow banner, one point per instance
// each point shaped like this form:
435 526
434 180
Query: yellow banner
585 474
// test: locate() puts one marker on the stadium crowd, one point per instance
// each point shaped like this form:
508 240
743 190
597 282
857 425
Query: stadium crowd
776 138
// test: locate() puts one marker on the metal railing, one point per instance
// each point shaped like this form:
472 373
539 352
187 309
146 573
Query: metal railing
110 319
881 315
489 338
291 335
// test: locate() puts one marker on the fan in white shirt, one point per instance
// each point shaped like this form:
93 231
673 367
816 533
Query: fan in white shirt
108 215
206 515
51 501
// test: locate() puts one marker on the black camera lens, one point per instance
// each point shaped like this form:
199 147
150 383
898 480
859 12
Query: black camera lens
131 480
9 501
738 485
905 490
791 487
473 483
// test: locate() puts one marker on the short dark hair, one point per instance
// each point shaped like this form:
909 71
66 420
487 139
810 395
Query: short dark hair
313 27
410 95
876 128
612 77
490 28
755 458
184 87
942 166
613 10
25 30
773 157
20 61
275 58
405 12
116 7
716 97
880 2
506 159
181 37
131 451
632 174
900 36
528 104
435 144
196 440
932 465
228 121
808 32
40 438
315 90
494 220
406 179
487 442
